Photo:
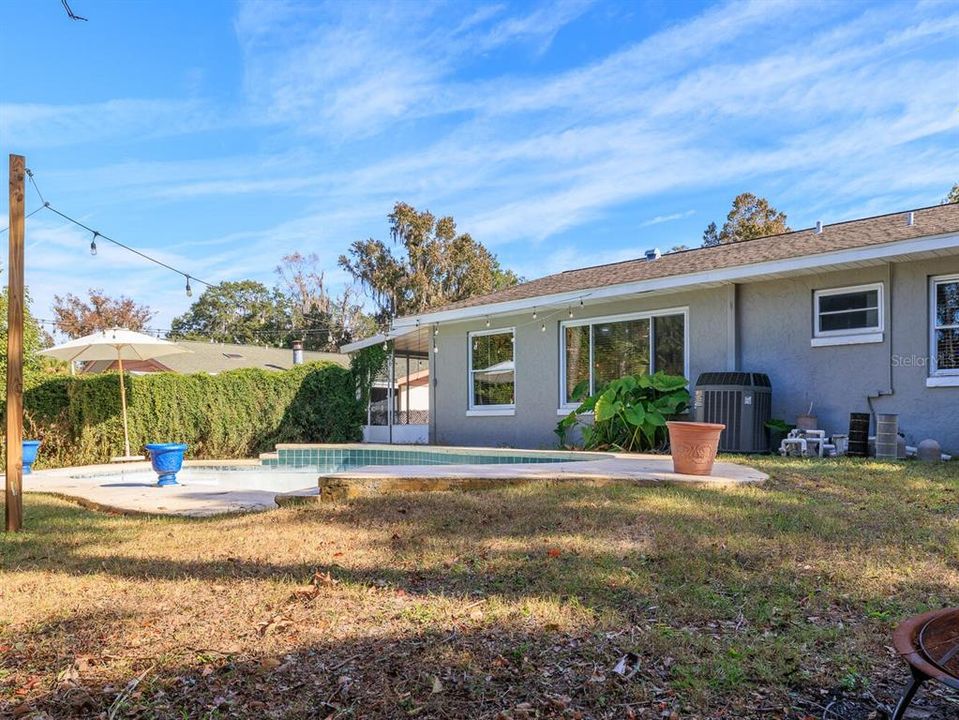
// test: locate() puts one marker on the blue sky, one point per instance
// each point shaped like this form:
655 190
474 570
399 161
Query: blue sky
220 135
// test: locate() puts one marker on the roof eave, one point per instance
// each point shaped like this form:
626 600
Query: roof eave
802 263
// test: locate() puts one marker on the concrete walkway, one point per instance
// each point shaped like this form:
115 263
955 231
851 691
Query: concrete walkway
99 487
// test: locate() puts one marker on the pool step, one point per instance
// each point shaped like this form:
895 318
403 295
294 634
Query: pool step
275 456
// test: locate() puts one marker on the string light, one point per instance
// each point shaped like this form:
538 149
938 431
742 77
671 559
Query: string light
534 313
487 321
436 329
189 290
543 328
570 313
97 234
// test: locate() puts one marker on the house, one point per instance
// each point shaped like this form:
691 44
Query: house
858 316
213 358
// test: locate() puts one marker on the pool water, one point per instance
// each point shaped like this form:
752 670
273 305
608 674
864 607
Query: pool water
298 468
226 478
339 459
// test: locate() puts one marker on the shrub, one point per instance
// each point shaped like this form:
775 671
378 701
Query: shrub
231 415
629 413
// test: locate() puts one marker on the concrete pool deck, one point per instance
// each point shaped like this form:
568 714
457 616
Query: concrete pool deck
97 486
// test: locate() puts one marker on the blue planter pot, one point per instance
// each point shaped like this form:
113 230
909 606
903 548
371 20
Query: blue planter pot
167 459
30 450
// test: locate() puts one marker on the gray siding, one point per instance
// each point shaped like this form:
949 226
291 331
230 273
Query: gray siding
776 324
537 367
767 329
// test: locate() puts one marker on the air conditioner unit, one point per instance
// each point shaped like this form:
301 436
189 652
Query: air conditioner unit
741 401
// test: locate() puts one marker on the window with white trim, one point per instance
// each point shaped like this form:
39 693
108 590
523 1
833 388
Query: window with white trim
944 308
597 350
848 311
492 374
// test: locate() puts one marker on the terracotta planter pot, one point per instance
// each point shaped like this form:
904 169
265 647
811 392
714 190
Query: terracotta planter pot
693 446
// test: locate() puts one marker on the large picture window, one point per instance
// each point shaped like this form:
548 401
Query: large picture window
492 370
598 350
848 311
945 325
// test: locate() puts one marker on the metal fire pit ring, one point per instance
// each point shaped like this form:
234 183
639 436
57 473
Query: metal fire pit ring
929 643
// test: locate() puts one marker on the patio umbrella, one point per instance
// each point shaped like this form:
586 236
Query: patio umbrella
115 344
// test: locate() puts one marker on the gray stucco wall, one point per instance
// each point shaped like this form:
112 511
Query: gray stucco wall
773 321
776 325
538 367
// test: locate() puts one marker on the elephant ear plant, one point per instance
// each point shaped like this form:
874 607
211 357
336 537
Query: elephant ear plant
629 414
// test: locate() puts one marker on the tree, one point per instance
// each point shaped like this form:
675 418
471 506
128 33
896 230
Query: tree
751 217
711 235
322 321
35 338
437 265
75 317
953 196
236 312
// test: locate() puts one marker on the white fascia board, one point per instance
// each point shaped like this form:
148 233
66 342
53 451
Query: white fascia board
732 274
365 343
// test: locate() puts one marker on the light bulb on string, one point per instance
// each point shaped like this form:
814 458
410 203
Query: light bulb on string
534 313
570 313
93 243
542 327
189 290
487 321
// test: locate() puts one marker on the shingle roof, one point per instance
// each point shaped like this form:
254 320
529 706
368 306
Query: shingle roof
207 357
930 221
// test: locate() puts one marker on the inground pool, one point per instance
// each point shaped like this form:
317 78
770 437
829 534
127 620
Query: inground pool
341 458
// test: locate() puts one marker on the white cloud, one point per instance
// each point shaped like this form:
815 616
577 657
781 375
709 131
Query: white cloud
659 219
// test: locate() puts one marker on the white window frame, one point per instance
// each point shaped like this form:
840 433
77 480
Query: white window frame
491 410
947 377
564 406
858 336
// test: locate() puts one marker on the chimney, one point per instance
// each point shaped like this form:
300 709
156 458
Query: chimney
819 227
910 218
653 254
297 352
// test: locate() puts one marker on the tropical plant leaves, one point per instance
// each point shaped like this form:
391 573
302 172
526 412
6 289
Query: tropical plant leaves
629 413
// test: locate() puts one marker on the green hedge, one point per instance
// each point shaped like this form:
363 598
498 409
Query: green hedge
234 414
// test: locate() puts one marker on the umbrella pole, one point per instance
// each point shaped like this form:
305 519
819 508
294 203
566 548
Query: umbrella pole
123 406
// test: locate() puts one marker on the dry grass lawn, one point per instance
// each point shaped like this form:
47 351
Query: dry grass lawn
760 602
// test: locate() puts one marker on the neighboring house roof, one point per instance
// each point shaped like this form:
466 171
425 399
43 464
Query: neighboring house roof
207 357
881 229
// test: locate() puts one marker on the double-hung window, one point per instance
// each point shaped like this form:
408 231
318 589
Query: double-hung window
848 315
596 351
944 339
492 375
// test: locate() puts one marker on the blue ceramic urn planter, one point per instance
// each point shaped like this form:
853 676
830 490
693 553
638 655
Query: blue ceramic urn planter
167 459
30 449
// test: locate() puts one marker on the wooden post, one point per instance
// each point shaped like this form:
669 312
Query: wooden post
123 405
14 477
